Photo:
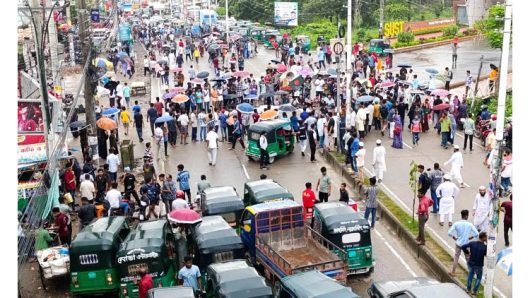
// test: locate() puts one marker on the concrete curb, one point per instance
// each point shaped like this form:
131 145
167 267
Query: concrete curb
432 44
428 259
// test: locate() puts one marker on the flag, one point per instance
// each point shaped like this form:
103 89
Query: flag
297 83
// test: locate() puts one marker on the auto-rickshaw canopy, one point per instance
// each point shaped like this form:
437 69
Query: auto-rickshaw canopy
315 284
339 218
265 190
236 279
222 199
214 234
101 235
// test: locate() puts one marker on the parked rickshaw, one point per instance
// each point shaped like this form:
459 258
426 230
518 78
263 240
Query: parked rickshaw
312 284
279 135
215 241
235 279
171 292
93 256
261 191
305 43
150 246
223 201
271 36
347 229
378 46
257 33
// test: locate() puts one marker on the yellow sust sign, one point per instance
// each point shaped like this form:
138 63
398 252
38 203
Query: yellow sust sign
393 28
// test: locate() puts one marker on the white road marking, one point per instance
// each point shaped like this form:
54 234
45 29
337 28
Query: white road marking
406 145
245 170
391 193
398 256
462 136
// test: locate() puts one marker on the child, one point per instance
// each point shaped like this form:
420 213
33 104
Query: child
416 129
148 154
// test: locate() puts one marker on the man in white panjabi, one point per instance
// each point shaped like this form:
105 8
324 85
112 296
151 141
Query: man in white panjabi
481 209
379 162
447 192
457 163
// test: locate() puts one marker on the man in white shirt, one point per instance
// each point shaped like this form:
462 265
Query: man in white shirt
359 158
191 73
212 138
159 142
319 83
264 155
457 163
469 82
379 162
113 161
183 121
146 66
321 125
114 199
193 122
87 188
447 192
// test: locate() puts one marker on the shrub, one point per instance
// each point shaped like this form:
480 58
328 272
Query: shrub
450 31
405 37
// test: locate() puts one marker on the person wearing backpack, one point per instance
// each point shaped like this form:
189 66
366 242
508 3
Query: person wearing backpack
436 177
448 77
424 181
416 129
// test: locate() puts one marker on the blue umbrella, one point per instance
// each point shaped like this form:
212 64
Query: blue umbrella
110 111
101 63
364 98
504 260
432 71
332 71
251 96
287 108
170 95
122 55
245 108
164 118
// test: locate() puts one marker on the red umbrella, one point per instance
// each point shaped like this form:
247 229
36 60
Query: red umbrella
184 216
179 89
440 92
242 74
197 81
387 84
441 106
282 68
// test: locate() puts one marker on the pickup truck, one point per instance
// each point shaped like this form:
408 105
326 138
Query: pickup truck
277 239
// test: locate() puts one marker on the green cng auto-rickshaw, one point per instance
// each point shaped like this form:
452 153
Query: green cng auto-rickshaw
378 46
314 284
223 201
261 191
347 229
280 138
270 36
235 279
257 33
150 246
93 256
215 241
305 43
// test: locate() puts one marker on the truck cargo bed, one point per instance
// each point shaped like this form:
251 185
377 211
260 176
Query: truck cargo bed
312 254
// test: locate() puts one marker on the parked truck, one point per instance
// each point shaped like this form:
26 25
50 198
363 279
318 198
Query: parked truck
278 241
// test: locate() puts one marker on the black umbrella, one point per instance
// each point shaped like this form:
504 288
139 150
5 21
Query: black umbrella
405 65
162 61
203 74
230 96
213 47
111 85
265 95
218 80
275 61
77 124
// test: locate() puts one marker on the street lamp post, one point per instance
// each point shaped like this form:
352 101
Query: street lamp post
348 58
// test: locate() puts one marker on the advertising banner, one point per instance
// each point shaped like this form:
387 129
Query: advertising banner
94 15
392 29
125 33
286 14
30 119
31 148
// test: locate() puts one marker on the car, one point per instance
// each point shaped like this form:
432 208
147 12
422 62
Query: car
171 292
420 287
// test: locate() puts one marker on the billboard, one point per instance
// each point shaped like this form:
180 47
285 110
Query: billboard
286 14
30 119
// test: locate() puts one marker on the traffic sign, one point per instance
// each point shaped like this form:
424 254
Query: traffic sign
338 48
342 31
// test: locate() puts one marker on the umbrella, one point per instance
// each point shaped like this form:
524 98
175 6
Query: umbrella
218 80
181 98
106 123
282 68
203 74
122 55
267 115
245 108
77 124
441 106
405 65
387 84
229 96
287 108
275 61
111 85
197 81
251 96
101 62
162 61
305 72
504 260
213 47
165 118
216 33
440 92
241 74
333 76
332 71
282 92
170 94
176 69
184 216
265 95
431 71
364 98
272 66
179 89
110 112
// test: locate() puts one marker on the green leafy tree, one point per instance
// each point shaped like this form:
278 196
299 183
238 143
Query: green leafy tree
492 26
413 183
450 30
405 37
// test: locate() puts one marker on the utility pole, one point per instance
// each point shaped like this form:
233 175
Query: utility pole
349 57
497 160
226 20
86 44
52 42
357 14
381 17
70 36
478 80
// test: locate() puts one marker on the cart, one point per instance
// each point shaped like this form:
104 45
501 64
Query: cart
53 262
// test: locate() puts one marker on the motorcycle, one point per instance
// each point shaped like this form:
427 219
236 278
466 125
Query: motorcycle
482 130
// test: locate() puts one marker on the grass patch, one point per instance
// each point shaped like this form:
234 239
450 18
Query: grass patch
412 226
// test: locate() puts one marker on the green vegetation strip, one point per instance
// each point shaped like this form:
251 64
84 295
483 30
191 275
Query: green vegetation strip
411 225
